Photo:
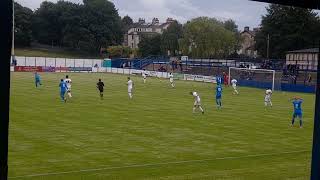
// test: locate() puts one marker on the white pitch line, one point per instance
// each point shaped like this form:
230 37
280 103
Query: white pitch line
155 164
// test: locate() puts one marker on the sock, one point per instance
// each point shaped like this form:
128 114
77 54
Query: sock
270 103
130 95
220 103
292 121
62 96
194 109
201 109
265 104
301 123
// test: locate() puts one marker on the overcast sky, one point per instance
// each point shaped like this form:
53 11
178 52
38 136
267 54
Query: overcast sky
244 12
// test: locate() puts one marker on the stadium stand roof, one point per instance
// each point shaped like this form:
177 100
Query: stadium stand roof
311 4
312 50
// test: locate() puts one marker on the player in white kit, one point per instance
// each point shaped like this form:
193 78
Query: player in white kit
171 80
68 82
234 85
130 86
197 102
267 98
144 76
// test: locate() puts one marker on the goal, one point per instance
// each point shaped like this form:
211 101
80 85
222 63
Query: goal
259 78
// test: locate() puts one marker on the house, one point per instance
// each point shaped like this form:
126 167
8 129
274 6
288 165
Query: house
306 59
133 37
248 43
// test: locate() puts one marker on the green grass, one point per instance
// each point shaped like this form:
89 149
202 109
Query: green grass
154 136
38 52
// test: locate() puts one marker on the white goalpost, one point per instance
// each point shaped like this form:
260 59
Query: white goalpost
262 77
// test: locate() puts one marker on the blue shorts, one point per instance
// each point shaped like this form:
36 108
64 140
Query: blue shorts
297 114
218 97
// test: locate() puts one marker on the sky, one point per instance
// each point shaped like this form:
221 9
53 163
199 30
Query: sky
243 12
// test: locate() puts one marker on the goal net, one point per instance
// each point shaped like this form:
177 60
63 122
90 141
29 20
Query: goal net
259 78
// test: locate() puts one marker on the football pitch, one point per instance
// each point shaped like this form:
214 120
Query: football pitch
155 135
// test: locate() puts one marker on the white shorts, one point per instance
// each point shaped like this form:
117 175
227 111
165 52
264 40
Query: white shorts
234 87
267 100
129 90
68 89
197 103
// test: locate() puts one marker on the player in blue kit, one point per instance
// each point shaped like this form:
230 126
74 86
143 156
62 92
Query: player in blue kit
219 96
219 80
37 79
297 110
63 89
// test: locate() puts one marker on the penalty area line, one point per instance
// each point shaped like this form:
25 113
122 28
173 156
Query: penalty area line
156 164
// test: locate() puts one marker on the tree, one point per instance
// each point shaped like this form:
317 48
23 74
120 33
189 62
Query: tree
126 23
70 21
150 45
170 39
289 28
89 26
23 23
103 23
46 28
233 27
119 51
205 37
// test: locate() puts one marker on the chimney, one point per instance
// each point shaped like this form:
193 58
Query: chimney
170 20
246 28
141 21
155 21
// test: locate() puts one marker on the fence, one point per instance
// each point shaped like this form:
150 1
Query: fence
56 62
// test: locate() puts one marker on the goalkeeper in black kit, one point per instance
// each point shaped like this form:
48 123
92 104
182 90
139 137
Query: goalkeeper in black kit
100 86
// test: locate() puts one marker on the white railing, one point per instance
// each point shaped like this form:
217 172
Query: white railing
57 62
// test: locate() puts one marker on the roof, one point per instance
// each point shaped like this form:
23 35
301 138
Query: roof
312 50
164 24
251 32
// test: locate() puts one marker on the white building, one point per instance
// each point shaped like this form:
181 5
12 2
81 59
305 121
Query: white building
248 42
141 28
